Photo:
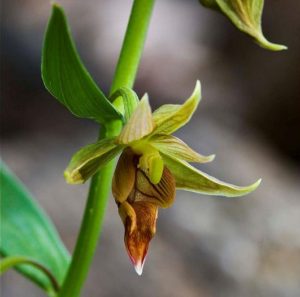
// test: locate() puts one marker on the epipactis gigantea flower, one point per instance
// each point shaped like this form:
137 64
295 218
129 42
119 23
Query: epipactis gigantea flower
152 165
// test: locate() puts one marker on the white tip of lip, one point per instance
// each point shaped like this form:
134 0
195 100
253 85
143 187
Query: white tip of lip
139 268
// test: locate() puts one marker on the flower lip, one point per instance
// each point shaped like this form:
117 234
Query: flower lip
137 264
139 232
139 267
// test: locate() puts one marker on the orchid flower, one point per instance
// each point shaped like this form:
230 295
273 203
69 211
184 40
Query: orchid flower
152 165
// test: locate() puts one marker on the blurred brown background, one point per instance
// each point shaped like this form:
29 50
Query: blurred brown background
249 117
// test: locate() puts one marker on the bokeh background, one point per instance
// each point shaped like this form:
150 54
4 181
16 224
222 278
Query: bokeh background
249 117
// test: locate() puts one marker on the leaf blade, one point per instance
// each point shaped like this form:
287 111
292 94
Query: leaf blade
15 261
65 76
27 231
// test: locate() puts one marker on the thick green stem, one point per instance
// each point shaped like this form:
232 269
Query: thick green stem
91 226
133 44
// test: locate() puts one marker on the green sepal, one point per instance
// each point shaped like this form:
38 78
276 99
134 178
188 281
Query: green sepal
191 179
246 16
65 76
26 231
170 117
129 101
176 148
89 159
139 125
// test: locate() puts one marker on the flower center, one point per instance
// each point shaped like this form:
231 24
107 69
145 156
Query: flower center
150 160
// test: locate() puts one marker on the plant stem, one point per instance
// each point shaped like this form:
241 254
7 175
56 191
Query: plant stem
91 225
133 44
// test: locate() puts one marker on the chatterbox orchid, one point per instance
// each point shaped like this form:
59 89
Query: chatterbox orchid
152 165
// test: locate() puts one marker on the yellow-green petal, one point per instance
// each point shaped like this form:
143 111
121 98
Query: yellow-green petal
161 194
191 179
139 125
176 148
88 160
170 117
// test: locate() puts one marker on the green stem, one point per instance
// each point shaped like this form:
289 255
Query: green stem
91 225
133 44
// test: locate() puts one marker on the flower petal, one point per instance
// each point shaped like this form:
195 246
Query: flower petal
126 212
161 194
190 179
170 117
176 148
139 125
89 159
124 176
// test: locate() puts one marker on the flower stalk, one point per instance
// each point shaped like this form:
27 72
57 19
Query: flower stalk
91 225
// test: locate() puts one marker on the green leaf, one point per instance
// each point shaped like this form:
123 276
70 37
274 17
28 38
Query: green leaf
65 76
170 117
246 16
15 261
26 231
89 159
191 179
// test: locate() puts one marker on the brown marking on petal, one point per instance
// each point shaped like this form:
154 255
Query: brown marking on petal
124 176
161 194
137 238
